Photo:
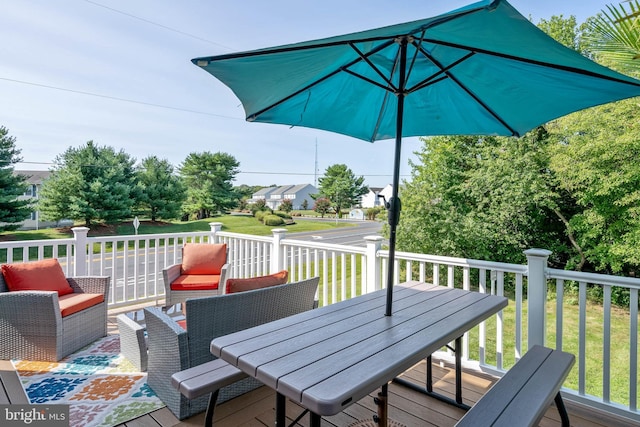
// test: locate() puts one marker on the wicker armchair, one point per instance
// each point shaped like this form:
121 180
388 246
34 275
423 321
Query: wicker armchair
176 271
173 349
32 327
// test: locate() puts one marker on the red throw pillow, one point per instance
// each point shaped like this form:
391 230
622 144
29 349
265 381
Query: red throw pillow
43 275
203 258
240 285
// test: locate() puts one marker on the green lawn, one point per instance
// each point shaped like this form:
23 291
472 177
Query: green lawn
233 223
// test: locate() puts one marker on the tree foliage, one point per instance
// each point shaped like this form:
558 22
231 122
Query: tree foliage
286 206
13 211
161 192
615 36
481 197
208 178
341 187
90 183
322 206
595 155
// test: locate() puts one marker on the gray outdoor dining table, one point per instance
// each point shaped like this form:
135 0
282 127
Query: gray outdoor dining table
330 357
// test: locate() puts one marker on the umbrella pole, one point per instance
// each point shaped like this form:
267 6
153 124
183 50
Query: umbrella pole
394 202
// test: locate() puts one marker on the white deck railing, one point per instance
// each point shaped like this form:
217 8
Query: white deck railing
134 264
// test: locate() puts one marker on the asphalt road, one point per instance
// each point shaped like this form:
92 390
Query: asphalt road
344 235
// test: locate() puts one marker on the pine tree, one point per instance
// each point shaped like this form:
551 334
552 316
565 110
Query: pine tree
13 211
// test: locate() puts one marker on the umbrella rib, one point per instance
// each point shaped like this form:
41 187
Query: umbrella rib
366 59
443 70
254 116
532 61
447 72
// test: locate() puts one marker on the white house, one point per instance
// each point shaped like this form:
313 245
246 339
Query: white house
299 193
35 180
261 194
273 196
372 199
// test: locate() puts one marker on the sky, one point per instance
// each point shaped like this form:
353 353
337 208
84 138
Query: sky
119 73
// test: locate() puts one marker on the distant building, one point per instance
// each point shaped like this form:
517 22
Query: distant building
261 194
34 181
372 199
273 196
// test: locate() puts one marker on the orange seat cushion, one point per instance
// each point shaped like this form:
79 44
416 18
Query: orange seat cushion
196 282
241 285
42 275
73 303
203 258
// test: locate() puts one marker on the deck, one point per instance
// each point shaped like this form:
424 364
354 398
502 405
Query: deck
406 406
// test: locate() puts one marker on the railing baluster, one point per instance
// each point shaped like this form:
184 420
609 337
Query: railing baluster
606 346
582 329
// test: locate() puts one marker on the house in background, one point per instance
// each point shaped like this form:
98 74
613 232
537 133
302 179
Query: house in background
34 181
299 193
372 199
273 196
261 194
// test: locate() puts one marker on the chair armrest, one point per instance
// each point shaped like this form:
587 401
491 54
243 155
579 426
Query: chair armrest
91 285
165 338
170 274
168 351
36 310
223 279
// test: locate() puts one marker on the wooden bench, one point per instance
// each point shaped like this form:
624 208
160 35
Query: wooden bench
11 391
521 397
208 377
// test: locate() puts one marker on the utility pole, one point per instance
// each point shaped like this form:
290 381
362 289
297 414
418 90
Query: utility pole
315 168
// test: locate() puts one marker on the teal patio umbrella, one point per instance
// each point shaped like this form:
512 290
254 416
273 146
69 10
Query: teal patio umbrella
483 69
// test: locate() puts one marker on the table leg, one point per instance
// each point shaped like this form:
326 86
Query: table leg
428 389
281 410
315 419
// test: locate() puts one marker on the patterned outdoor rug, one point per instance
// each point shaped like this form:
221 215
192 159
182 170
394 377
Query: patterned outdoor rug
100 385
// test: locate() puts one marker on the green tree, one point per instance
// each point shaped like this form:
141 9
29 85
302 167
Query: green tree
208 178
482 197
13 211
161 192
90 183
615 36
305 204
322 206
595 153
286 206
341 187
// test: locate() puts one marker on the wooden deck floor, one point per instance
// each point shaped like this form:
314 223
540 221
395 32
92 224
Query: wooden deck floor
408 407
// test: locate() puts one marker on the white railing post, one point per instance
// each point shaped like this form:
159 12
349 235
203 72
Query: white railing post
374 244
277 255
215 228
537 295
80 251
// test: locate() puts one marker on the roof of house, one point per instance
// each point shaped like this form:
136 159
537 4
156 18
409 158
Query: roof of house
281 190
264 191
294 189
34 177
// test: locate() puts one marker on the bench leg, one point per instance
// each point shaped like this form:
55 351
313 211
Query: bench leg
208 418
562 410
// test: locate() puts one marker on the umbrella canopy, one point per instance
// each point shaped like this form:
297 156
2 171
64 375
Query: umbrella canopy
482 69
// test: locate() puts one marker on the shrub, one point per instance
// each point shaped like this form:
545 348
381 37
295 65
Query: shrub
282 215
372 213
259 215
272 220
